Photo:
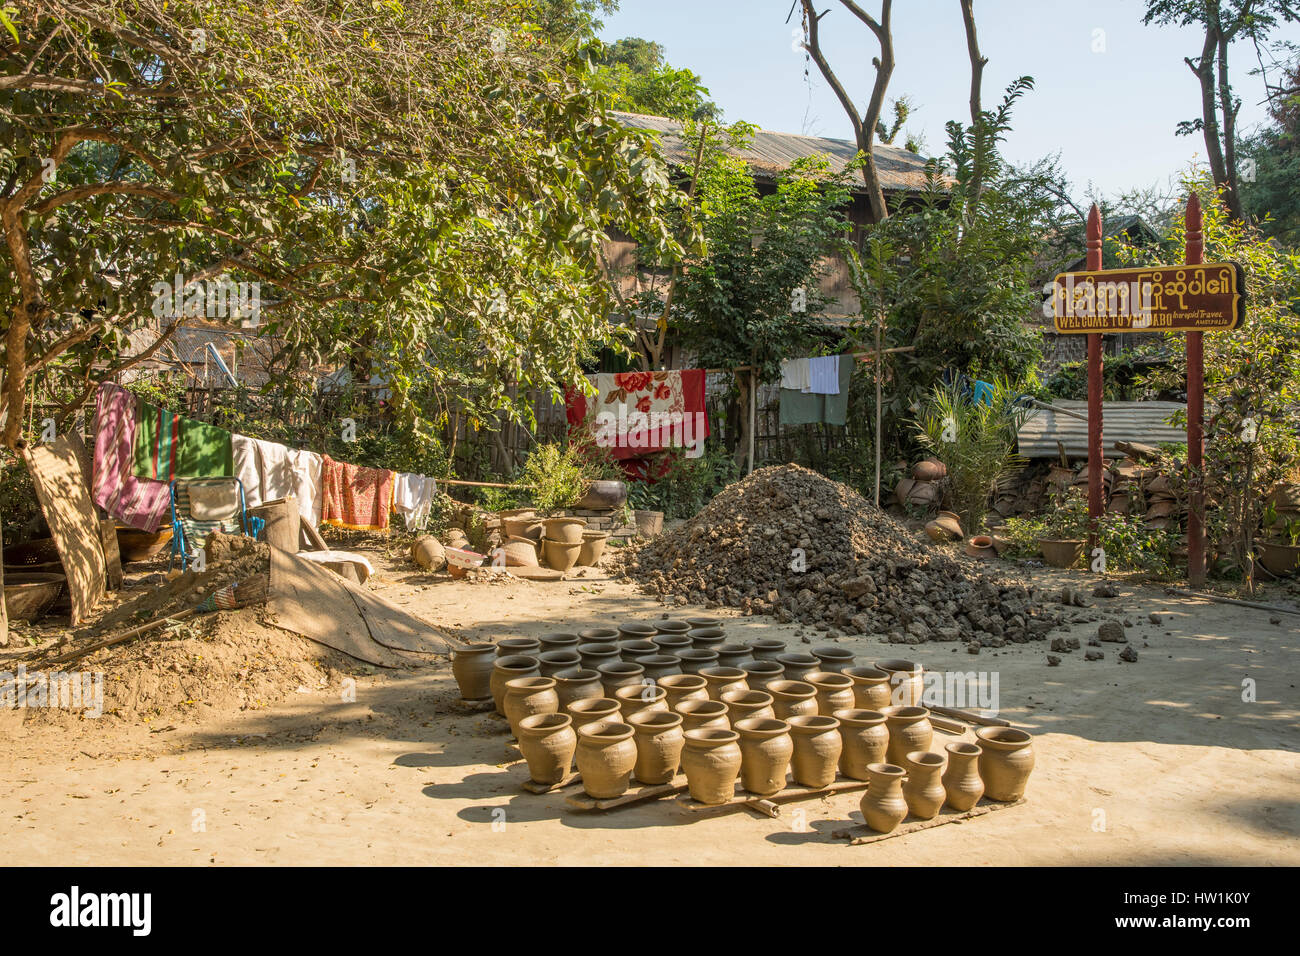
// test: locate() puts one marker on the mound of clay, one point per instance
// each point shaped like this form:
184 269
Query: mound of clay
790 542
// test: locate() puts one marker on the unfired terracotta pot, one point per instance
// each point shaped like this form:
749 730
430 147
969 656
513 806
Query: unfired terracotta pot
833 659
883 805
559 641
631 650
767 649
507 669
680 687
635 698
961 781
909 729
667 625
616 674
698 622
575 684
792 698
659 740
552 662
593 655
834 691
659 666
797 666
703 715
695 659
606 757
593 546
733 655
765 748
906 681
711 761
865 738
591 710
547 742
1005 762
742 704
526 696
564 530
672 643
759 673
709 638
870 688
636 631
561 555
598 635
816 749
923 788
472 668
722 679
519 645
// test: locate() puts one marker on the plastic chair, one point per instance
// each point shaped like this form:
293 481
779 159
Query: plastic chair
203 505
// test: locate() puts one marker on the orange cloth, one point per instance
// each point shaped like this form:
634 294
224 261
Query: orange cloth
355 497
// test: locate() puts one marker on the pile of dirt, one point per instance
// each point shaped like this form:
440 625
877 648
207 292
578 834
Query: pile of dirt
790 542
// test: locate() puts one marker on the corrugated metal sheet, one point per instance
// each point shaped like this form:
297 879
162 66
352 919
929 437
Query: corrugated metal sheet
769 153
1146 422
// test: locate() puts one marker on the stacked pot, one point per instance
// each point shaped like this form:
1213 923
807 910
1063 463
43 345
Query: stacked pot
922 490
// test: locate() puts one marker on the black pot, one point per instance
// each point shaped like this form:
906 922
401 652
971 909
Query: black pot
605 494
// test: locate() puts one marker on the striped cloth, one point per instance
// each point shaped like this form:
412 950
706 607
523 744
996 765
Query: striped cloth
169 446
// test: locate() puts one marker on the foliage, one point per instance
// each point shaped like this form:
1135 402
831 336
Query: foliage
632 72
1123 376
1129 545
558 475
1269 196
686 484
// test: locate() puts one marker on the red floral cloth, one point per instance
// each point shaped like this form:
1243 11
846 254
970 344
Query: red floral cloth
639 413
353 496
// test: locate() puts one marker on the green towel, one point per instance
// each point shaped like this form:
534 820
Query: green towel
168 446
807 408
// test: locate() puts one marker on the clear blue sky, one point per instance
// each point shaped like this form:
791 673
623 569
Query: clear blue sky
1111 113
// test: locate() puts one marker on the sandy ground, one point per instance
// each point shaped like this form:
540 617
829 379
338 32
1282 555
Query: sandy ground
1157 762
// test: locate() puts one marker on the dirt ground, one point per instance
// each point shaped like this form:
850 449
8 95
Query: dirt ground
1164 761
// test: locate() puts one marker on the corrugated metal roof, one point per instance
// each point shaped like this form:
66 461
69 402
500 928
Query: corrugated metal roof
1146 422
769 153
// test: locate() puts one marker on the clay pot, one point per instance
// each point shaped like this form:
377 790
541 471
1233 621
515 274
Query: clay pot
591 710
598 635
703 714
632 651
553 662
922 494
903 490
660 665
834 691
923 789
703 622
426 551
870 688
695 660
733 655
945 527
559 641
564 531
906 684
520 552
526 527
981 546
659 740
865 738
593 655
606 757
547 742
1005 762
635 698
672 643
576 683
883 806
792 698
817 749
616 674
743 704
472 668
712 762
961 781
648 523
722 679
833 659
798 666
667 625
930 469
519 645
1060 554
526 696
766 649
765 750
560 555
708 638
909 730
593 546
1282 560
604 494
507 669
759 673
636 631
681 687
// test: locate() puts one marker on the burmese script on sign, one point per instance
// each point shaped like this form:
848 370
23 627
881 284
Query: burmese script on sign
1184 298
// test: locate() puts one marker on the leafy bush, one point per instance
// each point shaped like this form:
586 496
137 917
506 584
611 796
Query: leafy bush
558 474
687 484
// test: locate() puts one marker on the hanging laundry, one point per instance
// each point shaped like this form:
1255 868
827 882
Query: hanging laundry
355 497
137 502
808 408
270 470
413 497
638 413
824 375
307 468
794 374
169 446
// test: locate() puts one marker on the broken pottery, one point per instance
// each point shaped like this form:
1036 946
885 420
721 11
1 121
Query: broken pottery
765 749
711 761
883 806
606 757
923 789
659 740
909 729
547 742
1005 762
865 738
817 749
961 781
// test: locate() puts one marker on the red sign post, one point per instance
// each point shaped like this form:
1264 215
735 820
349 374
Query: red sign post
1195 255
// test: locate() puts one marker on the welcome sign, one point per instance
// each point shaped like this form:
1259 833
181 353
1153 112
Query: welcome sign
1186 298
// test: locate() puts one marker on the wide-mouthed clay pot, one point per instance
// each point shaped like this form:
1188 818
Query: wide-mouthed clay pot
593 546
709 638
767 649
507 669
703 715
564 530
923 788
559 641
816 749
711 761
616 674
606 758
792 698
659 740
561 555
672 643
722 679
758 674
598 635
593 655
472 668
733 655
765 748
631 650
698 622
1005 762
552 662
865 738
659 666
526 696
590 710
832 658
870 688
798 666
668 625
635 698
961 781
576 683
681 687
747 703
636 631
909 729
695 659
906 681
834 691
519 645
547 742
883 806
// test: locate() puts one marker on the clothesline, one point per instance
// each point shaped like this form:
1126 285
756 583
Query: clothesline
859 356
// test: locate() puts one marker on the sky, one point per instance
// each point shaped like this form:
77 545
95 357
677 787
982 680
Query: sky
1109 91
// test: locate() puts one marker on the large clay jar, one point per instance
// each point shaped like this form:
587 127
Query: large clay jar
758 674
834 691
909 729
472 668
870 688
722 679
865 738
672 643
797 666
526 696
507 669
592 710
712 762
606 757
816 749
766 649
765 749
636 631
547 742
923 789
792 698
552 662
593 655
616 674
883 805
834 659
1005 762
565 530
961 781
630 651
703 715
635 698
906 682
659 666
733 655
743 704
659 740
598 635
575 684
695 659
709 638
519 645
559 641
682 687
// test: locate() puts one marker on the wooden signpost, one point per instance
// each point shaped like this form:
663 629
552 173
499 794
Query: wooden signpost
1193 298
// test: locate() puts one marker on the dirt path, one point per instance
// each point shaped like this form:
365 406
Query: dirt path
1157 762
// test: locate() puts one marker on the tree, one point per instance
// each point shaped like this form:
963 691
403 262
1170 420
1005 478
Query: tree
635 76
1269 197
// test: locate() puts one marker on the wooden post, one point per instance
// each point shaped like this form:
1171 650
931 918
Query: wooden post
1195 255
1095 504
880 321
753 415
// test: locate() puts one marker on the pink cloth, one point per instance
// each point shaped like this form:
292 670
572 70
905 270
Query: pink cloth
136 502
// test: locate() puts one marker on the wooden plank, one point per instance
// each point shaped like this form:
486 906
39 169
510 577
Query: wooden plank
581 803
971 718
532 786
112 557
861 834
790 794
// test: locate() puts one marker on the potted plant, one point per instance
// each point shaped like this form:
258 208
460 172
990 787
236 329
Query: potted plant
1064 531
558 477
646 509
1279 551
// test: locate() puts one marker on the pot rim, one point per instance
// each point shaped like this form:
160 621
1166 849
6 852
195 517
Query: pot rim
858 716
964 748
722 673
926 758
711 737
559 637
473 649
677 680
611 709
830 650
895 665
702 622
859 674
812 723
799 660
516 662
577 674
828 679
792 688
674 626
996 737
703 633
518 642
540 724
621 668
695 706
696 654
532 683
761 727
635 627
887 769
606 731
908 712
659 660
767 644
596 634
761 698
655 719
759 667
638 691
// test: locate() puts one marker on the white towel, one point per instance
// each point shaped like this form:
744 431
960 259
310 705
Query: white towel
270 470
794 374
413 497
306 470
824 375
